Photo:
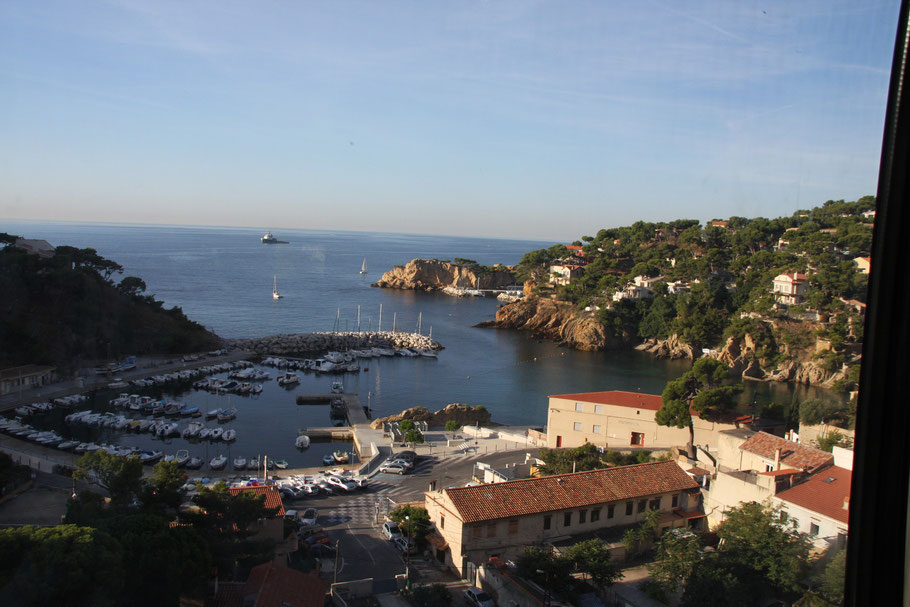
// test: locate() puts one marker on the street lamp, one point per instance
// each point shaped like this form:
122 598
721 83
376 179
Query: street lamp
407 546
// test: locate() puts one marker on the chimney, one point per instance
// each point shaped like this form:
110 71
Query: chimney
777 459
847 503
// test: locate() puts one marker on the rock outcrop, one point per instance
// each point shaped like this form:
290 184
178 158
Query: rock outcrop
671 348
464 415
299 343
557 321
435 275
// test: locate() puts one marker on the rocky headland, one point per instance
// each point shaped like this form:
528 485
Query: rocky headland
560 322
435 275
464 415
301 343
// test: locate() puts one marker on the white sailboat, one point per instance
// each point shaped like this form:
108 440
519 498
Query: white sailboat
275 293
363 266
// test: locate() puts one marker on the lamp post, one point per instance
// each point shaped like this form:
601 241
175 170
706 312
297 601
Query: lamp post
546 590
407 546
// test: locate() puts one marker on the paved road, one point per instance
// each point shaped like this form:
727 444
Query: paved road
354 519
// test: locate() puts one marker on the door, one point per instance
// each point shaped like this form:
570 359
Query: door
558 441
638 439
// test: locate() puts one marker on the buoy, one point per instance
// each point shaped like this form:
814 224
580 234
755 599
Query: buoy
469 377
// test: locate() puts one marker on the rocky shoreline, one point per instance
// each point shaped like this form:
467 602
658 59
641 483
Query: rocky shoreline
463 415
300 343
435 275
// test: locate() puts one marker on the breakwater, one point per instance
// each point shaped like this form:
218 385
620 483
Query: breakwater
295 343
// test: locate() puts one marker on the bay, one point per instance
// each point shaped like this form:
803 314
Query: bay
222 278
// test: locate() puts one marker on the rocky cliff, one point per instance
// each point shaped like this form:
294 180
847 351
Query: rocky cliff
560 322
435 275
465 415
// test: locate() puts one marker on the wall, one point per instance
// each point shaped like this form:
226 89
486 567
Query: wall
828 528
730 488
616 425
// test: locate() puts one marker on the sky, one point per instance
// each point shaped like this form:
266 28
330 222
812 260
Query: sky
537 120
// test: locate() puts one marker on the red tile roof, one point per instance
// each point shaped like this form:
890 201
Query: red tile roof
792 455
272 496
574 247
795 276
230 594
824 493
560 492
634 400
277 586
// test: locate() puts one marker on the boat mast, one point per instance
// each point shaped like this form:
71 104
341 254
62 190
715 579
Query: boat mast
358 318
380 318
419 321
394 320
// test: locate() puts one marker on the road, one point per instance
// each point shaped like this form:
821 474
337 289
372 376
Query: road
354 519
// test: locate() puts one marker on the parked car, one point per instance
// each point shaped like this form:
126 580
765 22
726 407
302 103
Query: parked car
390 530
317 538
393 469
405 545
478 598
341 483
408 456
401 462
309 517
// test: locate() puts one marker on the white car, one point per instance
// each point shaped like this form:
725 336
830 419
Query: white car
341 483
401 462
390 530
309 517
478 598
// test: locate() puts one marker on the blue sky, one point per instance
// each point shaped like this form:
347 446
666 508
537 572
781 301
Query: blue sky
506 119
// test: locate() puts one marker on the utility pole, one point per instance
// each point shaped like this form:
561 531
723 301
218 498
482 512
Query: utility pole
337 556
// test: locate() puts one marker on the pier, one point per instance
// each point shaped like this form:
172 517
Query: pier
353 410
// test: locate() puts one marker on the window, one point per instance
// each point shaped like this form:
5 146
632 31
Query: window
769 468
611 509
513 526
579 407
547 521
629 508
813 529
595 429
655 504
567 519
595 515
476 532
784 516
598 409
642 505
442 521
577 426
582 516
491 530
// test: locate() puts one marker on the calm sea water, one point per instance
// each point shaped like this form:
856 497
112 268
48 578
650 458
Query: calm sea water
222 278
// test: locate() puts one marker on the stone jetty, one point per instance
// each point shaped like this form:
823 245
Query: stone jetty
296 343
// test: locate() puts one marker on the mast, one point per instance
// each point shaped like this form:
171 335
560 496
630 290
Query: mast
358 318
380 318
419 321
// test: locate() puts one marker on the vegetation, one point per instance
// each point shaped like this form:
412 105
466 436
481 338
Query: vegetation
414 522
827 442
589 559
66 307
430 595
452 426
697 391
563 461
11 475
722 277
638 540
413 436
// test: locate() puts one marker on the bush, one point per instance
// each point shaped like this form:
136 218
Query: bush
452 426
406 425
428 596
413 436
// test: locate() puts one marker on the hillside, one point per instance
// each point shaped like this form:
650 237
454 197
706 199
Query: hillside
436 275
780 299
61 306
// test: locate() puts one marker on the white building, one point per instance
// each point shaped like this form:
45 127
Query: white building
790 289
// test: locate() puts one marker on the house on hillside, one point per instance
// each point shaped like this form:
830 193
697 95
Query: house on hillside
790 289
563 274
476 523
863 264
619 420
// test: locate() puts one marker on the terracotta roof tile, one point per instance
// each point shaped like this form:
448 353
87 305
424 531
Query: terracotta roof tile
276 586
272 496
792 455
230 594
560 492
824 493
635 400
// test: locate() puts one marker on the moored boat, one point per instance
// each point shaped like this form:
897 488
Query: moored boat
239 463
229 435
218 462
302 442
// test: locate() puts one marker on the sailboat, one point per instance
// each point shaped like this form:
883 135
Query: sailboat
275 293
363 266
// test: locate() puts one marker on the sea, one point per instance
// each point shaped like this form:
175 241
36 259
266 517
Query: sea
222 277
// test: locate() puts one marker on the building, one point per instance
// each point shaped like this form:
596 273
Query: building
271 585
633 292
755 467
790 289
863 264
271 529
563 274
476 523
648 281
619 420
26 377
41 248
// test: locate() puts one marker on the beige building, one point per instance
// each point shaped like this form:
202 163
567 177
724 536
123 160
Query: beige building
863 264
790 288
756 466
476 523
618 420
563 274
26 377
